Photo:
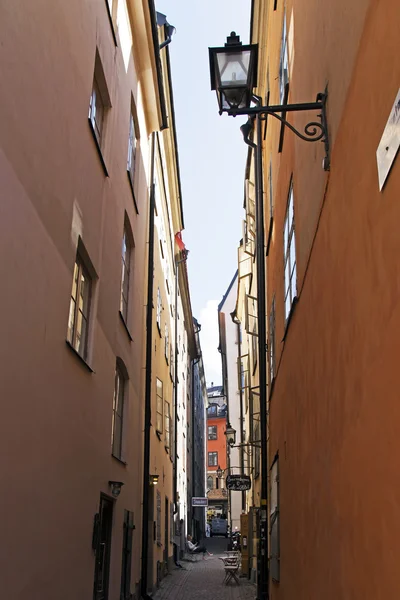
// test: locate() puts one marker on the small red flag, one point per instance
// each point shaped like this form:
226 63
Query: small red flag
179 241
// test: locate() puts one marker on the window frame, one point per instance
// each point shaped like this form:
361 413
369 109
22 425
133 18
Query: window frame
214 453
166 343
159 404
120 384
96 101
99 91
289 249
167 425
159 310
126 268
80 270
274 529
208 432
284 64
133 149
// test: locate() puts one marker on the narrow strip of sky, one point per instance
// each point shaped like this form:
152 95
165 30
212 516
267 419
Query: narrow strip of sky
212 157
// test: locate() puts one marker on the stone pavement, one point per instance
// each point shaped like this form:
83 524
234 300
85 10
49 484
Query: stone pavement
203 580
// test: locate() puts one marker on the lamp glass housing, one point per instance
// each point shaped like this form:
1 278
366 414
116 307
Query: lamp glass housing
230 433
233 71
219 472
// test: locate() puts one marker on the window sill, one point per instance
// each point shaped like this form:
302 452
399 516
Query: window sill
131 186
120 460
103 164
290 316
159 329
158 434
83 361
121 316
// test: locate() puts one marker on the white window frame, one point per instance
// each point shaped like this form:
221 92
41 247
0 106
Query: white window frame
283 63
118 413
127 251
159 405
289 264
159 309
132 144
79 310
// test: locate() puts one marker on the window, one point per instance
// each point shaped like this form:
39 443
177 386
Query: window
210 482
167 425
166 345
272 364
131 148
212 432
290 255
127 555
159 309
96 111
284 66
171 362
98 108
127 246
160 400
213 459
118 413
274 522
212 410
78 323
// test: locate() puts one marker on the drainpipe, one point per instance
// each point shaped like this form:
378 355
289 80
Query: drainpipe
147 402
241 449
246 129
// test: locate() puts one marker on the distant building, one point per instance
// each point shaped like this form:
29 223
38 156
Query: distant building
197 443
229 347
216 453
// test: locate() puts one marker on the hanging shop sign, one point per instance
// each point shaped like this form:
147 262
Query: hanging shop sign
238 483
197 501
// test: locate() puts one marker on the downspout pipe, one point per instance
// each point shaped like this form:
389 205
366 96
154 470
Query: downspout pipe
246 129
147 402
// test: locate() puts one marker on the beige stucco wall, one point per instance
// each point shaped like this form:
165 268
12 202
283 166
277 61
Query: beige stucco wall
55 437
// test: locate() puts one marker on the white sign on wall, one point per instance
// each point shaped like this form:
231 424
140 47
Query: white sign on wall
389 144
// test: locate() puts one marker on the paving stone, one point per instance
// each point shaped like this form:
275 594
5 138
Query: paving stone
203 580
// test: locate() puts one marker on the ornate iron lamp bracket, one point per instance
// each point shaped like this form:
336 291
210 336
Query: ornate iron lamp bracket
314 131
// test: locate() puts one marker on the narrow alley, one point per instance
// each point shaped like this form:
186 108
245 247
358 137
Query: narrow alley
200 579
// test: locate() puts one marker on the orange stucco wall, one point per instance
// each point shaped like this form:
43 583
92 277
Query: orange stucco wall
334 410
55 442
218 445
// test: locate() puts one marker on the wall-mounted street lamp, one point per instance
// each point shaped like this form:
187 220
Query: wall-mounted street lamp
230 433
116 487
220 472
233 71
154 479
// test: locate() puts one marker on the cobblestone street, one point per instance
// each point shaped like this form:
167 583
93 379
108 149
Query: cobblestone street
203 579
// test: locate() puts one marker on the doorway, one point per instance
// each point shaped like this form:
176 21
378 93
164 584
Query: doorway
166 532
103 549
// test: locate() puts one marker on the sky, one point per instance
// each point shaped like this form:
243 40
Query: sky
212 158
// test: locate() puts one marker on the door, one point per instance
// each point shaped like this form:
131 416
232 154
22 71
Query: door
103 549
166 532
127 555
